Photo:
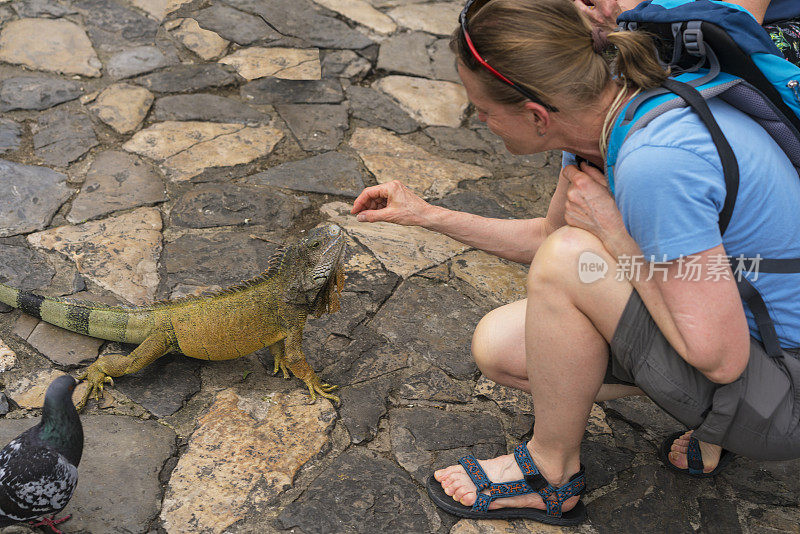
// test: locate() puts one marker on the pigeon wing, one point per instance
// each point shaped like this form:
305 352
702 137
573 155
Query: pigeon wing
34 479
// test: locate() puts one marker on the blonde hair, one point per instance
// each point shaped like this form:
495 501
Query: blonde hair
550 48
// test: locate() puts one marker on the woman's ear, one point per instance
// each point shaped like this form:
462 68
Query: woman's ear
538 115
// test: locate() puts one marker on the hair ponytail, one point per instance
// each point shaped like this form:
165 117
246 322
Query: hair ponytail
636 59
552 49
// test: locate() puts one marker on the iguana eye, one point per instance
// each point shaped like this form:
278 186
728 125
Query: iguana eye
314 244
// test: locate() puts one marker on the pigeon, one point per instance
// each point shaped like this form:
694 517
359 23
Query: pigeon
39 468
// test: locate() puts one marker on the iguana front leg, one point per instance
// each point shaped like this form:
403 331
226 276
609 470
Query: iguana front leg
277 351
289 353
108 365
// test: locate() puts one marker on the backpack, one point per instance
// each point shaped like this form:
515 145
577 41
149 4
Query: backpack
717 49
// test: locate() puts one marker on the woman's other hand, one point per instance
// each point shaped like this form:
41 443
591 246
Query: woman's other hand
590 205
392 202
602 13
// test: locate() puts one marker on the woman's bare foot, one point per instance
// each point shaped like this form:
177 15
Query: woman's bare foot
459 485
710 453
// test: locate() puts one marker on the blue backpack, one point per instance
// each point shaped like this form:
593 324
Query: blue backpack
717 49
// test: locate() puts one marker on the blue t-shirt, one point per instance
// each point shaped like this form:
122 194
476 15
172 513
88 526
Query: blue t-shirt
670 189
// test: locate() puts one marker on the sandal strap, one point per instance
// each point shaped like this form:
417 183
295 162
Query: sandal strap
694 458
500 491
553 497
475 472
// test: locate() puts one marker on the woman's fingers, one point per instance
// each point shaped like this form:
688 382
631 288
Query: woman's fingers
370 198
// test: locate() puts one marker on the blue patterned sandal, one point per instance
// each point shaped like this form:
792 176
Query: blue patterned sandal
533 482
694 459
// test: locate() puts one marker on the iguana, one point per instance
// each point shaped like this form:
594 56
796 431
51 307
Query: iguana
302 278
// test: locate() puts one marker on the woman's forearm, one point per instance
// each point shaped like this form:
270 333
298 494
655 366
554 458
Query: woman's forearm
512 239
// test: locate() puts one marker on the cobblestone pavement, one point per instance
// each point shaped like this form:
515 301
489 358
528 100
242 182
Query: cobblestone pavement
157 148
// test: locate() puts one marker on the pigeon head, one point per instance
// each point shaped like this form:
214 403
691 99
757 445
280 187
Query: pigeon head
60 426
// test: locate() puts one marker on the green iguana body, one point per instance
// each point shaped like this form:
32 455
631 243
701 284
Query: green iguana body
303 278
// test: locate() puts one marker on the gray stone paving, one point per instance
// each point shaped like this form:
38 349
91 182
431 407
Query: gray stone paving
170 151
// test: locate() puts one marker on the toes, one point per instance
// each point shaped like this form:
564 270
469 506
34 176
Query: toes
678 460
679 447
461 493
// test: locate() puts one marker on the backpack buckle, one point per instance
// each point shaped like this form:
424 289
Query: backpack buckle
693 39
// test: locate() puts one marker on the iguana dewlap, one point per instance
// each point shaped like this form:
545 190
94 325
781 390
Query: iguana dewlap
303 278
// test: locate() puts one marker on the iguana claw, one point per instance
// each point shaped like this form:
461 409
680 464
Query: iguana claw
96 380
280 366
316 386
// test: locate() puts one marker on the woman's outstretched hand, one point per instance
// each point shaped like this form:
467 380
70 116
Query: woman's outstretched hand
391 202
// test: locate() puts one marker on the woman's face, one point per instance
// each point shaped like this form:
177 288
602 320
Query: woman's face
514 124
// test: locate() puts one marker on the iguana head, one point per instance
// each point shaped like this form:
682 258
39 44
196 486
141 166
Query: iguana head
315 265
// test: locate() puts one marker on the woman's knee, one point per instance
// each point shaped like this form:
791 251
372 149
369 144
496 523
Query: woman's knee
558 260
498 342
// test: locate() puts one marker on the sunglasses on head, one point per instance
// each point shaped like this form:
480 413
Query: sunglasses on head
472 7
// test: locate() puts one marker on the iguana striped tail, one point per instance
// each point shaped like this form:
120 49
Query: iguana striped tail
112 323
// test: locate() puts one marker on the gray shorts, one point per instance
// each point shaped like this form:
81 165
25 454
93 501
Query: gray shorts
757 416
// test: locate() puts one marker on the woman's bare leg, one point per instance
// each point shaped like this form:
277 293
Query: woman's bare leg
568 325
498 346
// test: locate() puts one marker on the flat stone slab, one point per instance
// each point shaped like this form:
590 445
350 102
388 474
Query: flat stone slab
403 250
433 384
206 107
63 347
187 78
19 186
426 439
508 399
204 43
234 25
67 49
124 251
8 358
476 202
439 18
28 390
331 173
316 126
389 157
123 106
407 53
379 109
220 257
299 18
158 9
162 387
137 60
10 135
186 149
502 280
285 63
344 64
24 268
277 91
431 102
116 181
362 407
360 492
361 12
211 205
41 8
122 456
459 139
244 453
446 310
36 92
114 25
63 137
